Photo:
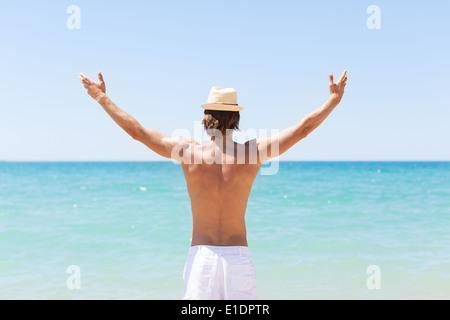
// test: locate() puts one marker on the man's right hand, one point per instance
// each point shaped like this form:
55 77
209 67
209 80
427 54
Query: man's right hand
94 89
337 89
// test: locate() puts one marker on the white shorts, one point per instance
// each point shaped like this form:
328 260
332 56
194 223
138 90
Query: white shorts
217 273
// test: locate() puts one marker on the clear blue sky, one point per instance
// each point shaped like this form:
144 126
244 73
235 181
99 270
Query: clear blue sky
160 59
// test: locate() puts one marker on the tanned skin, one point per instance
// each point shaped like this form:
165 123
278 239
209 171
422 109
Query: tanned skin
219 174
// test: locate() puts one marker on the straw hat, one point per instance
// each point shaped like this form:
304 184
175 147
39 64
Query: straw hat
222 99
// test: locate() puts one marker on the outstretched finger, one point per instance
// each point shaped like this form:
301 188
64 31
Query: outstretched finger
331 79
84 81
84 78
100 77
344 75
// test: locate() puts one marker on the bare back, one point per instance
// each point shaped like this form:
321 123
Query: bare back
219 191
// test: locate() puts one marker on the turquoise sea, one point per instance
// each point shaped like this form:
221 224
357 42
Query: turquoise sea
316 230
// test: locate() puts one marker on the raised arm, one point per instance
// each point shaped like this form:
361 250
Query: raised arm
159 142
286 138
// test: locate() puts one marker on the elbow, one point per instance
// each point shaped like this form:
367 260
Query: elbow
306 126
136 134
302 132
306 133
136 131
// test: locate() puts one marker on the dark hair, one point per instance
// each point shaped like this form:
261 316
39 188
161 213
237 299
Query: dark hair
221 120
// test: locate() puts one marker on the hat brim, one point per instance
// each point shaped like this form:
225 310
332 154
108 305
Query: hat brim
221 107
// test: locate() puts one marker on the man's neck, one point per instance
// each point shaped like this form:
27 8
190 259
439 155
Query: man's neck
225 142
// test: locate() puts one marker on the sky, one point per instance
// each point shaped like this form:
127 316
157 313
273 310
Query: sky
159 60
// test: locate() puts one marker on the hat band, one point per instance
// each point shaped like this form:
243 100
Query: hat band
230 104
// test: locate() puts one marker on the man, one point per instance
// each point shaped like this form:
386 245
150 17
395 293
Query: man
219 176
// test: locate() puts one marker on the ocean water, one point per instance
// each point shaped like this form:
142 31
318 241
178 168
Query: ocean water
316 230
